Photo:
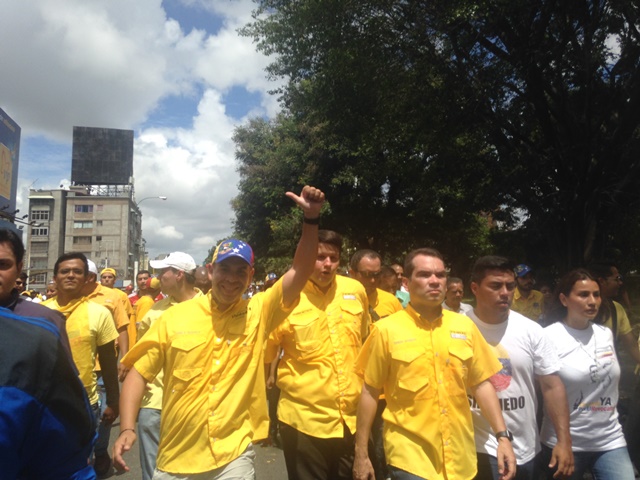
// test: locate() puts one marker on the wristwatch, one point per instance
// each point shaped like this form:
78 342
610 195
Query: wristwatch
506 434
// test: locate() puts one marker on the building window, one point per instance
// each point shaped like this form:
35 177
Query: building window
82 240
39 214
40 232
98 238
99 222
84 208
39 247
40 278
39 262
80 224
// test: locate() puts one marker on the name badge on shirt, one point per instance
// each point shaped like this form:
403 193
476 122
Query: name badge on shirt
461 336
348 296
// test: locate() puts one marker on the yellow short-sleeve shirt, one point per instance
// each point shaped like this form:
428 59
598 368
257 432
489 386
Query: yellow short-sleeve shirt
153 396
531 307
214 401
89 326
425 369
319 390
385 304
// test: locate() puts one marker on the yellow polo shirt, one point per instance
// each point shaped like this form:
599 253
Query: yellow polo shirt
153 395
531 307
128 308
108 298
319 390
385 304
425 369
89 326
214 401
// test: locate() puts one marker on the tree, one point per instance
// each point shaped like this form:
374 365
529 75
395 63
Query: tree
433 111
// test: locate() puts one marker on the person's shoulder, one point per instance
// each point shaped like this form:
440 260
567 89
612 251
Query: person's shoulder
602 330
348 283
394 321
97 309
385 296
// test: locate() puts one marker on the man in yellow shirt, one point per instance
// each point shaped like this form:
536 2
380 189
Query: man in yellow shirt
212 352
91 332
425 358
108 280
318 388
526 300
365 266
176 276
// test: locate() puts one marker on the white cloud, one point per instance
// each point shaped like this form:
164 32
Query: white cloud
112 63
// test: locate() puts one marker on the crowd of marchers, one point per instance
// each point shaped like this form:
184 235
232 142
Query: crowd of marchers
383 373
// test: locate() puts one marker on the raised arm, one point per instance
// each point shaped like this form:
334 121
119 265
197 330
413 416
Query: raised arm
310 201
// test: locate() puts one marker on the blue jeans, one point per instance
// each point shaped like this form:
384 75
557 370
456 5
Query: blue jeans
398 474
488 468
610 465
149 438
104 431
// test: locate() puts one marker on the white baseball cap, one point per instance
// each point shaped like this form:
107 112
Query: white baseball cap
178 260
92 267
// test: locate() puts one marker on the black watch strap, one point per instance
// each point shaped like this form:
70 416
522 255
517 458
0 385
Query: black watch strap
504 434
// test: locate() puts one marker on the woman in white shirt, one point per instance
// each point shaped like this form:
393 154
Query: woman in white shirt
590 373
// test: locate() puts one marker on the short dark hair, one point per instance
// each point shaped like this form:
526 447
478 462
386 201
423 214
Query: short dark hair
140 272
427 252
331 238
23 276
14 241
360 254
72 256
387 271
452 280
490 262
600 269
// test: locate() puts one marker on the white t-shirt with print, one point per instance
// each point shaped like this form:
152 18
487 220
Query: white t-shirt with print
590 372
524 351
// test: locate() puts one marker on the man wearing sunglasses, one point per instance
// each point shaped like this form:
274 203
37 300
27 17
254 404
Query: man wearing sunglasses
365 266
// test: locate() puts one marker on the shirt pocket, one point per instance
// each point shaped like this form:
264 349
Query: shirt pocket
458 372
306 332
183 378
188 363
412 375
351 321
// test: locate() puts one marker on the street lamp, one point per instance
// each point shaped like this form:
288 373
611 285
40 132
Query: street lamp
161 197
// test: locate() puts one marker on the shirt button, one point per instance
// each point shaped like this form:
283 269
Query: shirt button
436 354
217 362
218 340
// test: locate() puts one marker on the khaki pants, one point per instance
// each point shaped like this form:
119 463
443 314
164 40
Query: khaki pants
240 468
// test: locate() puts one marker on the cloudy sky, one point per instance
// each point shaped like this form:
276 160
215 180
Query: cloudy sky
174 71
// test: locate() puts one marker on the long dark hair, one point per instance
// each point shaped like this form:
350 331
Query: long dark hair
558 311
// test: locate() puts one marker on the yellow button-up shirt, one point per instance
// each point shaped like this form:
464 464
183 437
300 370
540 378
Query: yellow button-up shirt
425 369
214 401
321 340
385 304
531 307
153 395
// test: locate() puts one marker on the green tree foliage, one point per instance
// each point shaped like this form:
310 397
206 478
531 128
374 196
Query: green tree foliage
415 116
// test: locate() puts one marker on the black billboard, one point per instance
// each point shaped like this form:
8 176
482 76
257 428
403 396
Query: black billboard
101 156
